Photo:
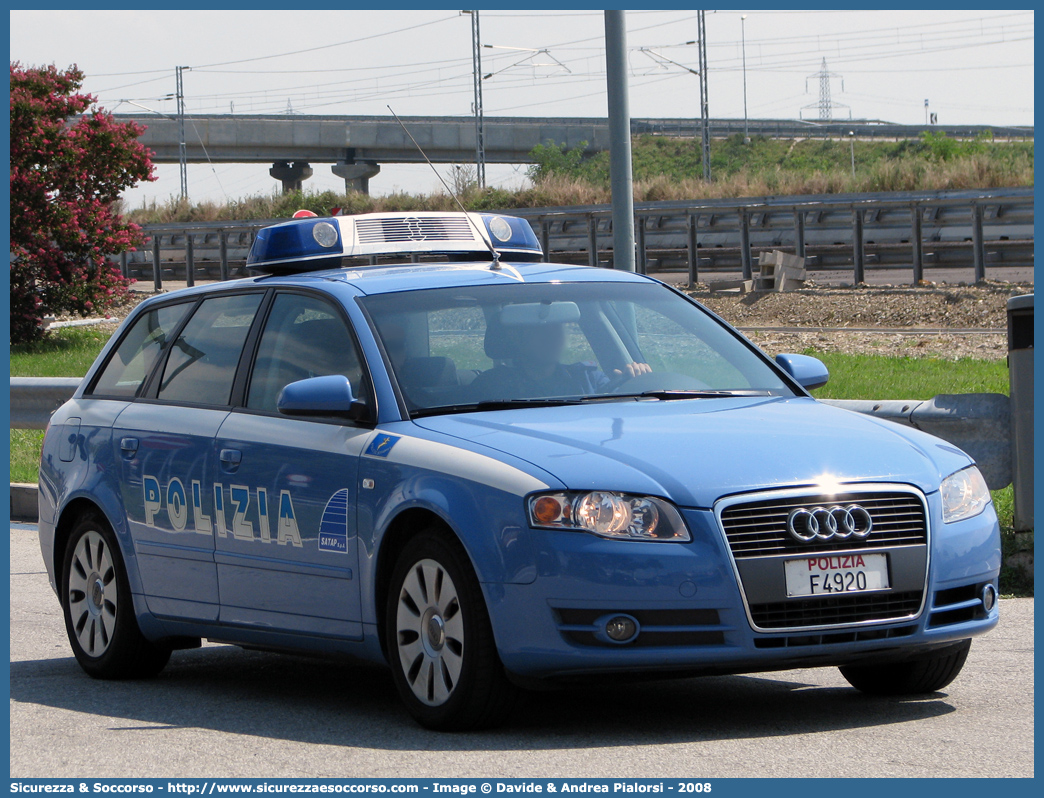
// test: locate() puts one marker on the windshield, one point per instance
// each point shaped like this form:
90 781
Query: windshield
455 349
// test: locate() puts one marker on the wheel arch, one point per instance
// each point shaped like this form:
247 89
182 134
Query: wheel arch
403 527
74 509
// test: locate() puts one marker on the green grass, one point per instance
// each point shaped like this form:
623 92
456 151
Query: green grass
66 352
880 377
25 454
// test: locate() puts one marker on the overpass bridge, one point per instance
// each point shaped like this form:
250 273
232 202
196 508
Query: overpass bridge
355 146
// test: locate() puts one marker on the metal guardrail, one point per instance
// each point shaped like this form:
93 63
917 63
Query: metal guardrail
922 230
34 399
978 423
860 231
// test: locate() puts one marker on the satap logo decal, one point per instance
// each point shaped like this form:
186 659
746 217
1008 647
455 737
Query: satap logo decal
333 529
381 445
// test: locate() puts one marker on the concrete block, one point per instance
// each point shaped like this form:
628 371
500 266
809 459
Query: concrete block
780 271
733 286
24 502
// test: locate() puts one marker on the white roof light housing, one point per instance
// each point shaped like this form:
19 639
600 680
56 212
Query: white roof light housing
310 244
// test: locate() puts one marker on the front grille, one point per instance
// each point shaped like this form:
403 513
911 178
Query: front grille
413 228
838 610
759 528
833 638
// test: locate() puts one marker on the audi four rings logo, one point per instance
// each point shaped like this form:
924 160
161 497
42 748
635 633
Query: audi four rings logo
829 523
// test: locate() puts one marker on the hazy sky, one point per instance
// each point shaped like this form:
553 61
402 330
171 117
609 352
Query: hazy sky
972 67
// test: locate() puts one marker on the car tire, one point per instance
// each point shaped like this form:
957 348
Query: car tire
913 677
98 608
439 638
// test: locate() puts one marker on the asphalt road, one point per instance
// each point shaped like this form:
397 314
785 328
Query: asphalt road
222 712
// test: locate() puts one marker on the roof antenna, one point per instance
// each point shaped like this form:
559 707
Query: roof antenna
496 255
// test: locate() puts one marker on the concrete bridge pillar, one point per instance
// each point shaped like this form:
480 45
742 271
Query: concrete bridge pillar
291 175
357 175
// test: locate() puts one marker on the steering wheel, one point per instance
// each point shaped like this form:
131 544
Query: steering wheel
661 381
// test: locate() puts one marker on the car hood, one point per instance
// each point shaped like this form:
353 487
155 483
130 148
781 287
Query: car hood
695 451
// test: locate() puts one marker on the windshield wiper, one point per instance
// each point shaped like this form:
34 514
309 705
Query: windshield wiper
696 394
496 404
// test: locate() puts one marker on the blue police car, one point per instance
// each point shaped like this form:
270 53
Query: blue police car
412 440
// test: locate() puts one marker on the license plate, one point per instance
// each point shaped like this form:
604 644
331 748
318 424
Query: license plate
832 574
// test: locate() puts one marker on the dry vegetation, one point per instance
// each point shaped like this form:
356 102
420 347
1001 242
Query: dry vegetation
667 169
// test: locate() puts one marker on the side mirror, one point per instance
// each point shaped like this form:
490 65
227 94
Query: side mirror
322 396
808 372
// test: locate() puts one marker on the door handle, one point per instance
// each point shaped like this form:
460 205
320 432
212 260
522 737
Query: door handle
230 459
129 446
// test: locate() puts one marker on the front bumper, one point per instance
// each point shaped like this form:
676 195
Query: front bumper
691 610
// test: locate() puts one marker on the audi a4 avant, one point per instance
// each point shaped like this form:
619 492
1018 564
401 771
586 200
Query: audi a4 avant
409 439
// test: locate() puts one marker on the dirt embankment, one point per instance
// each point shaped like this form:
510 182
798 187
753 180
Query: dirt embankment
885 321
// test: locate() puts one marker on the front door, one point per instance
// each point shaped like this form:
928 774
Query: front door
286 547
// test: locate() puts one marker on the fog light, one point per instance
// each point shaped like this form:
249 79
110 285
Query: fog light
989 597
621 628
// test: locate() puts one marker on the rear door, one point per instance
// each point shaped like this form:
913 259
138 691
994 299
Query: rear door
164 443
287 552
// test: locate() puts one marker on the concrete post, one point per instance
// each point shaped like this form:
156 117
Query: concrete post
356 175
291 175
619 140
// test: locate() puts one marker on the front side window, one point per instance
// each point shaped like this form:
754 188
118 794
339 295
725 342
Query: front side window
463 348
304 337
202 363
130 365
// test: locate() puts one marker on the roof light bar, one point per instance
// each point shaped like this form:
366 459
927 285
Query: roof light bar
310 244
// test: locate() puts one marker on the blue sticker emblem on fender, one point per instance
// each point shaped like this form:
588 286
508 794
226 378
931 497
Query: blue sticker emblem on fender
333 529
381 445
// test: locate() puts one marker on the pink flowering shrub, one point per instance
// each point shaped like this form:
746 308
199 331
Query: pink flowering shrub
65 177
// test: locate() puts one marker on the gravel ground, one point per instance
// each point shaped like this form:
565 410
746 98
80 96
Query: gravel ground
887 320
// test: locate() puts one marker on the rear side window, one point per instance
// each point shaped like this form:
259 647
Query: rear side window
304 337
202 363
138 352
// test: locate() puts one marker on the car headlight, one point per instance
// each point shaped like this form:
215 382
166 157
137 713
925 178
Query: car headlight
964 495
621 516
